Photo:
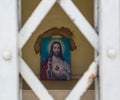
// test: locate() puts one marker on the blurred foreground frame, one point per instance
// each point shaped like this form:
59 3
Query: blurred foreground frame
61 32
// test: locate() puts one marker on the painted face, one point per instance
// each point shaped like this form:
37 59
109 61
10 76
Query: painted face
56 49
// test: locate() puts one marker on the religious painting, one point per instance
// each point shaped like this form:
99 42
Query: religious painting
55 59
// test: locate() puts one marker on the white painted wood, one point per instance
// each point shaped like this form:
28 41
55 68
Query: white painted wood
96 25
82 85
109 50
33 82
19 27
20 88
19 13
96 15
9 74
34 20
79 20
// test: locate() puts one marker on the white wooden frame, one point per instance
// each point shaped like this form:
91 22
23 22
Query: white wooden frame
109 50
9 74
96 26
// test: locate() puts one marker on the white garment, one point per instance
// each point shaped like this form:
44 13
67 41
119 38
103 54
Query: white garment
61 69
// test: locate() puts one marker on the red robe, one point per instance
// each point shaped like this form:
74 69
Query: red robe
43 72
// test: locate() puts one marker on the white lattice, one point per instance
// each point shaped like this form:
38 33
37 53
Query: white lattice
107 23
83 25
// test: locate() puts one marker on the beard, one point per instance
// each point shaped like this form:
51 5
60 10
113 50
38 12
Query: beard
57 54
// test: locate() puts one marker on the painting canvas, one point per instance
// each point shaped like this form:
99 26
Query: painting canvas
55 59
